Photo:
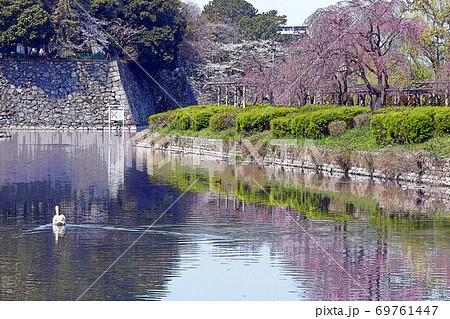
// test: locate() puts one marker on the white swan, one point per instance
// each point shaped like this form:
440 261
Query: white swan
59 220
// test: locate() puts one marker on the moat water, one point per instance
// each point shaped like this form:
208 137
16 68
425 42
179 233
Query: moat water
262 234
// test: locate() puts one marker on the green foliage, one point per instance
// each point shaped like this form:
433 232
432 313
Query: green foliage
24 22
405 127
150 31
258 119
436 38
315 124
264 26
159 119
200 119
280 126
106 9
442 121
223 120
337 128
409 125
65 24
300 124
195 117
161 29
178 119
228 11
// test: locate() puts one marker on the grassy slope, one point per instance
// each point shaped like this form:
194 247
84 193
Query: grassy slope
357 139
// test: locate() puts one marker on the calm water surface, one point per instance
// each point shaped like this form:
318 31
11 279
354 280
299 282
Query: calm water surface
264 234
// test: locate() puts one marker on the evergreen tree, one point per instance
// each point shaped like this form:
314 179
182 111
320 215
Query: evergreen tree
264 26
228 11
65 22
161 29
244 20
24 22
106 9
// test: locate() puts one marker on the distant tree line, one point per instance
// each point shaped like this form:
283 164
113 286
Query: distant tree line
150 31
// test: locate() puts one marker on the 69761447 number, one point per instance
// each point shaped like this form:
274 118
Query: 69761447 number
406 310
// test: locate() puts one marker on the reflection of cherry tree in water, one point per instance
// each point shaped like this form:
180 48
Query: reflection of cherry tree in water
374 264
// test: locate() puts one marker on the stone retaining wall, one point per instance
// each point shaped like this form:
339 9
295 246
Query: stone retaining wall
413 168
59 93
65 94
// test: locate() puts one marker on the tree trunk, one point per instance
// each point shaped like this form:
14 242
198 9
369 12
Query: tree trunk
380 101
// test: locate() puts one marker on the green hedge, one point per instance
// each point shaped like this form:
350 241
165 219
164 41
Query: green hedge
195 117
158 119
413 126
280 126
315 124
258 119
300 124
442 121
389 125
223 120
178 119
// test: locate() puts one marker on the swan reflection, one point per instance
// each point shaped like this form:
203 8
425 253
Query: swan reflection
58 231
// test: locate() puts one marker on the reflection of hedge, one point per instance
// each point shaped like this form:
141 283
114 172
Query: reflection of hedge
315 204
411 126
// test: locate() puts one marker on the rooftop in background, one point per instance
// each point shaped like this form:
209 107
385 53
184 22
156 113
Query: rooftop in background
294 30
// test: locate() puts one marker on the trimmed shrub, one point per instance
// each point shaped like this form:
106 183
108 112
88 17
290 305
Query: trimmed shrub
300 124
258 119
318 125
417 128
179 119
362 119
315 124
158 119
223 121
200 119
337 128
195 117
413 126
280 126
442 121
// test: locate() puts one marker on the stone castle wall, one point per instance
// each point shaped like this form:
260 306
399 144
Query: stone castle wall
59 94
64 94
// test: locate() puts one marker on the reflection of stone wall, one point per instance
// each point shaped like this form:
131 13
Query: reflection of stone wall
76 170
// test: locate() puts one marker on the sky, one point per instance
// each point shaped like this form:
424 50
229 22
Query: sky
295 10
